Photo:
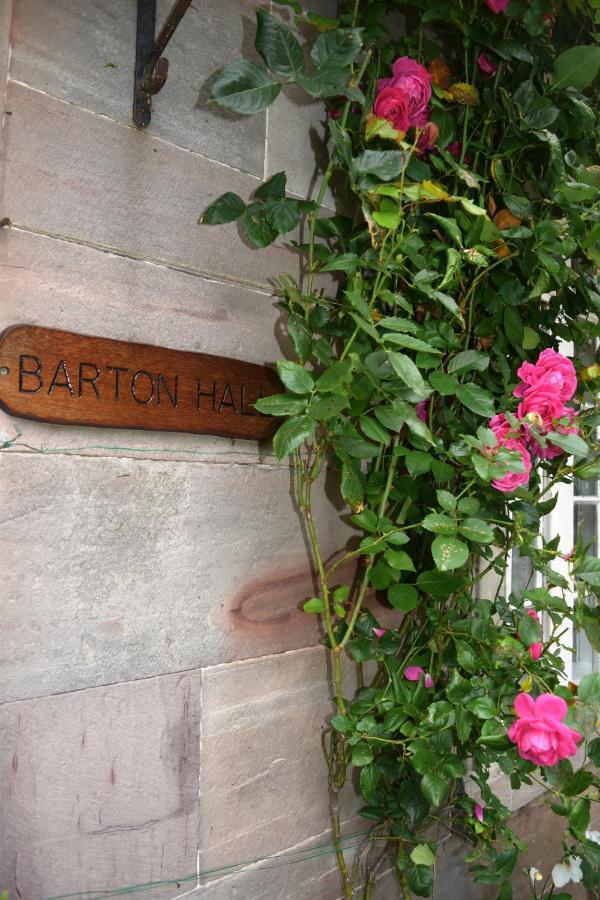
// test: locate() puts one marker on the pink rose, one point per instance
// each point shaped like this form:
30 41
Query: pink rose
497 6
500 426
413 673
513 480
415 81
422 410
539 732
541 407
486 65
535 650
379 632
392 103
551 367
479 812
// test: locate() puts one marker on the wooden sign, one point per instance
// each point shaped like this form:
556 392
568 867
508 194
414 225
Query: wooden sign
71 379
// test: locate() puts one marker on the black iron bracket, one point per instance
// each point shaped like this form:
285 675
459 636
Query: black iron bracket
151 68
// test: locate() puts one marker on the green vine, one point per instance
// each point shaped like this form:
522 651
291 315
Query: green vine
429 377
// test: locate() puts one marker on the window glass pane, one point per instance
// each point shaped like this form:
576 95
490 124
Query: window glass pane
583 657
584 525
521 574
587 488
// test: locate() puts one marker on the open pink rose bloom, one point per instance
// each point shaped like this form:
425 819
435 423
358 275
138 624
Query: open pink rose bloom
539 732
544 389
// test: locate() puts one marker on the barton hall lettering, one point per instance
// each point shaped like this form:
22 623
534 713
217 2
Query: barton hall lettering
66 378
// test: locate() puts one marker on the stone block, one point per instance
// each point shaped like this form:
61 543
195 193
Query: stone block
65 285
263 773
84 53
115 569
78 175
100 788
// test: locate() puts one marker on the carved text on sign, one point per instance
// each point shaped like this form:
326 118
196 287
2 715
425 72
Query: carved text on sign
72 379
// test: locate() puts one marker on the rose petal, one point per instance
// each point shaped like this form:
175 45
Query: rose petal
548 705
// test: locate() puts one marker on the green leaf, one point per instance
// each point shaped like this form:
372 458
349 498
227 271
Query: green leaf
449 226
362 754
421 855
417 462
579 817
314 605
420 880
570 443
449 553
444 384
467 361
278 46
577 67
588 570
403 597
446 500
405 368
594 751
434 788
482 707
327 81
300 336
336 48
464 723
258 230
291 434
383 164
295 377
458 688
333 377
400 560
440 714
280 405
283 215
476 399
227 208
438 584
439 523
327 406
273 188
589 689
410 342
352 484
477 530
244 87
530 631
465 655
576 783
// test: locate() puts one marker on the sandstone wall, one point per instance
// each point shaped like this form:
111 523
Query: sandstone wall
161 695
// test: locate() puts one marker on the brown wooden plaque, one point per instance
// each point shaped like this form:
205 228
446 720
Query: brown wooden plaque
72 379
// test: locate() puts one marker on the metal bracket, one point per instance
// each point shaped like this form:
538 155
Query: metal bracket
151 68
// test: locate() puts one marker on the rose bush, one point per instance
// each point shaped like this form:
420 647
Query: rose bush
426 375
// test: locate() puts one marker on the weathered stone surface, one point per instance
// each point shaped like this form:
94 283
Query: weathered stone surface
76 174
263 774
115 569
65 285
5 17
100 788
84 53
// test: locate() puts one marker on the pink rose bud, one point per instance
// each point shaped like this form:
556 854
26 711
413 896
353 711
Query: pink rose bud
479 812
379 632
413 673
539 732
486 65
535 650
497 6
423 409
567 556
